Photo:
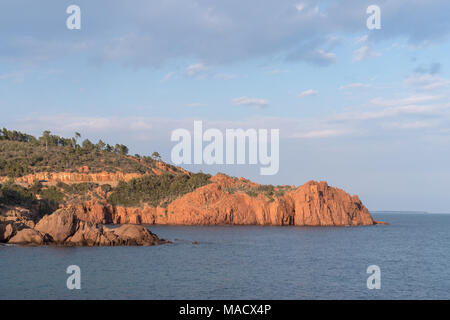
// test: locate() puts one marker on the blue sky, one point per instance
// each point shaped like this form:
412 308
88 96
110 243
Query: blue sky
366 110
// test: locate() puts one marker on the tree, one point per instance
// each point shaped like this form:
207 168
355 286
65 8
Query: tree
87 145
100 145
46 138
156 156
109 148
121 149
75 140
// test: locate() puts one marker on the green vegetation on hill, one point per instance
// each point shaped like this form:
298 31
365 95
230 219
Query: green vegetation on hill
268 190
45 199
22 154
15 195
156 190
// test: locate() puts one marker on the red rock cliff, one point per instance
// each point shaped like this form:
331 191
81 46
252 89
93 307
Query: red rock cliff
313 204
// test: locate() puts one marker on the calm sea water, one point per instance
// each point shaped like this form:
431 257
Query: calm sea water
246 263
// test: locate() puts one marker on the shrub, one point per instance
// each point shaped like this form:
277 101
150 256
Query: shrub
156 190
13 194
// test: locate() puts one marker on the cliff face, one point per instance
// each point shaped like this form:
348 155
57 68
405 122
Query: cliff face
84 175
313 204
75 177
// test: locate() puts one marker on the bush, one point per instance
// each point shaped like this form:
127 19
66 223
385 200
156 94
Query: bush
78 188
13 194
156 190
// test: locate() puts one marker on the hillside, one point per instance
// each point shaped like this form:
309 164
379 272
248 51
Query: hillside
22 154
104 184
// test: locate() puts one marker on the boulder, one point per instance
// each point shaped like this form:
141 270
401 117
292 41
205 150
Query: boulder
28 236
9 229
63 227
86 234
59 225
6 231
130 234
18 215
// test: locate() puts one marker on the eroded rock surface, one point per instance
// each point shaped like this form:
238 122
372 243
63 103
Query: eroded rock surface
222 202
63 227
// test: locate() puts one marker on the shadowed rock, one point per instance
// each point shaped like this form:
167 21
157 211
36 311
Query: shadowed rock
64 228
29 236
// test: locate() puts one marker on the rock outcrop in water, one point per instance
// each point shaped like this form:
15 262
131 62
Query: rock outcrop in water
64 228
223 201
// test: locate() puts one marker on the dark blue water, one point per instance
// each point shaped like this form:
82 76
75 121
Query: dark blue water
246 263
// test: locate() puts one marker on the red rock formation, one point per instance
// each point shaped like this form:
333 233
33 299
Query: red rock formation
83 175
76 177
63 227
313 204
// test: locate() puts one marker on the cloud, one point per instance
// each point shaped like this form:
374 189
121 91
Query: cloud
300 7
152 33
168 76
317 57
415 99
364 53
195 69
391 112
15 77
256 102
309 92
357 85
413 124
362 39
327 133
426 82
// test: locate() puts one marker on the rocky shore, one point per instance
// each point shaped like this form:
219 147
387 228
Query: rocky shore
225 200
63 227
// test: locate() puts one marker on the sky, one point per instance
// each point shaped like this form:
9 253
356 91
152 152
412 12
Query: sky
366 110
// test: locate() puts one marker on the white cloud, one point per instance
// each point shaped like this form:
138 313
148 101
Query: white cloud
309 92
390 113
426 82
364 53
412 124
416 99
326 56
256 102
357 85
168 76
300 6
15 77
326 133
362 39
195 69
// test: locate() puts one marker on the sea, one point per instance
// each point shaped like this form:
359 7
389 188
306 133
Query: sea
410 256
